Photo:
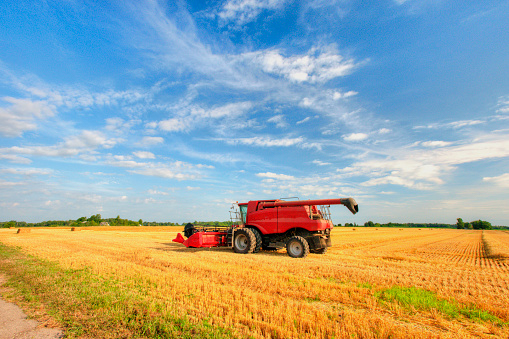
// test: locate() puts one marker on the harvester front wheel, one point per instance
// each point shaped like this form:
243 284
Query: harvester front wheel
297 247
244 241
258 237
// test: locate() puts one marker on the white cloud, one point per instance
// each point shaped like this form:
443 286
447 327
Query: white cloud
155 192
189 117
306 102
144 155
15 158
22 115
27 171
423 169
454 124
4 183
501 180
384 131
355 137
436 143
503 105
174 125
271 175
150 141
321 163
86 142
317 66
178 170
119 125
244 11
279 121
164 172
266 141
306 119
339 95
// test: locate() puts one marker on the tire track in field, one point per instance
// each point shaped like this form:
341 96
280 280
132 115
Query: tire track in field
464 249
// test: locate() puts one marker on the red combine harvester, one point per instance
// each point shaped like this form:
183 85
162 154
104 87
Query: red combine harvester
302 226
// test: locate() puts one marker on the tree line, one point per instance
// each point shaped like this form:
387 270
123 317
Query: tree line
475 225
97 220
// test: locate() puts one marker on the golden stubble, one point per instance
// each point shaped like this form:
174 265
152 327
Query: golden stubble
269 294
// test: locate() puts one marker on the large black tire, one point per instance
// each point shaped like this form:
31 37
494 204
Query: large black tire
189 230
258 237
244 241
297 247
320 251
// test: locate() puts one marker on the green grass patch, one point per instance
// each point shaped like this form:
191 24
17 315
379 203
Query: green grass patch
94 306
420 299
365 285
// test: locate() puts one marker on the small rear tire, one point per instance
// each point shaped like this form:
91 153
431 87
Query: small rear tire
297 247
244 241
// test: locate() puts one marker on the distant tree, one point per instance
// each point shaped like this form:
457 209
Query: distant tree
11 223
95 219
468 226
481 225
369 224
460 224
140 222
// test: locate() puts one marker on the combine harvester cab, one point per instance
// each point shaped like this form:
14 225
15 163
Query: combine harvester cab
302 226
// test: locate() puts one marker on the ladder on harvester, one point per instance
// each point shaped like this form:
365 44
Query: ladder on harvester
235 219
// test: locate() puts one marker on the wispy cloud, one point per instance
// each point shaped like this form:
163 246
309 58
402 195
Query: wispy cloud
82 144
144 155
22 115
321 163
503 104
424 169
178 170
435 143
150 141
192 116
319 65
355 137
276 176
501 180
27 171
454 124
279 121
265 141
243 11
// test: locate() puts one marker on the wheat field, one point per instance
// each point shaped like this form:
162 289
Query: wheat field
335 295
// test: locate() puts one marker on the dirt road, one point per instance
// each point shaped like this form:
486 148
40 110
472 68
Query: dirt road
15 325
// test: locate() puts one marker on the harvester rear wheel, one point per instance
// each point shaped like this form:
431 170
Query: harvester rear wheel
244 241
297 247
258 237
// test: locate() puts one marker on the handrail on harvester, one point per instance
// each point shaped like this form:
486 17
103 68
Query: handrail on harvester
348 202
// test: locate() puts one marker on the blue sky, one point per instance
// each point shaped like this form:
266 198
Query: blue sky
171 111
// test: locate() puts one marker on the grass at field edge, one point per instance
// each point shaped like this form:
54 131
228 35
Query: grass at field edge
88 305
422 299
